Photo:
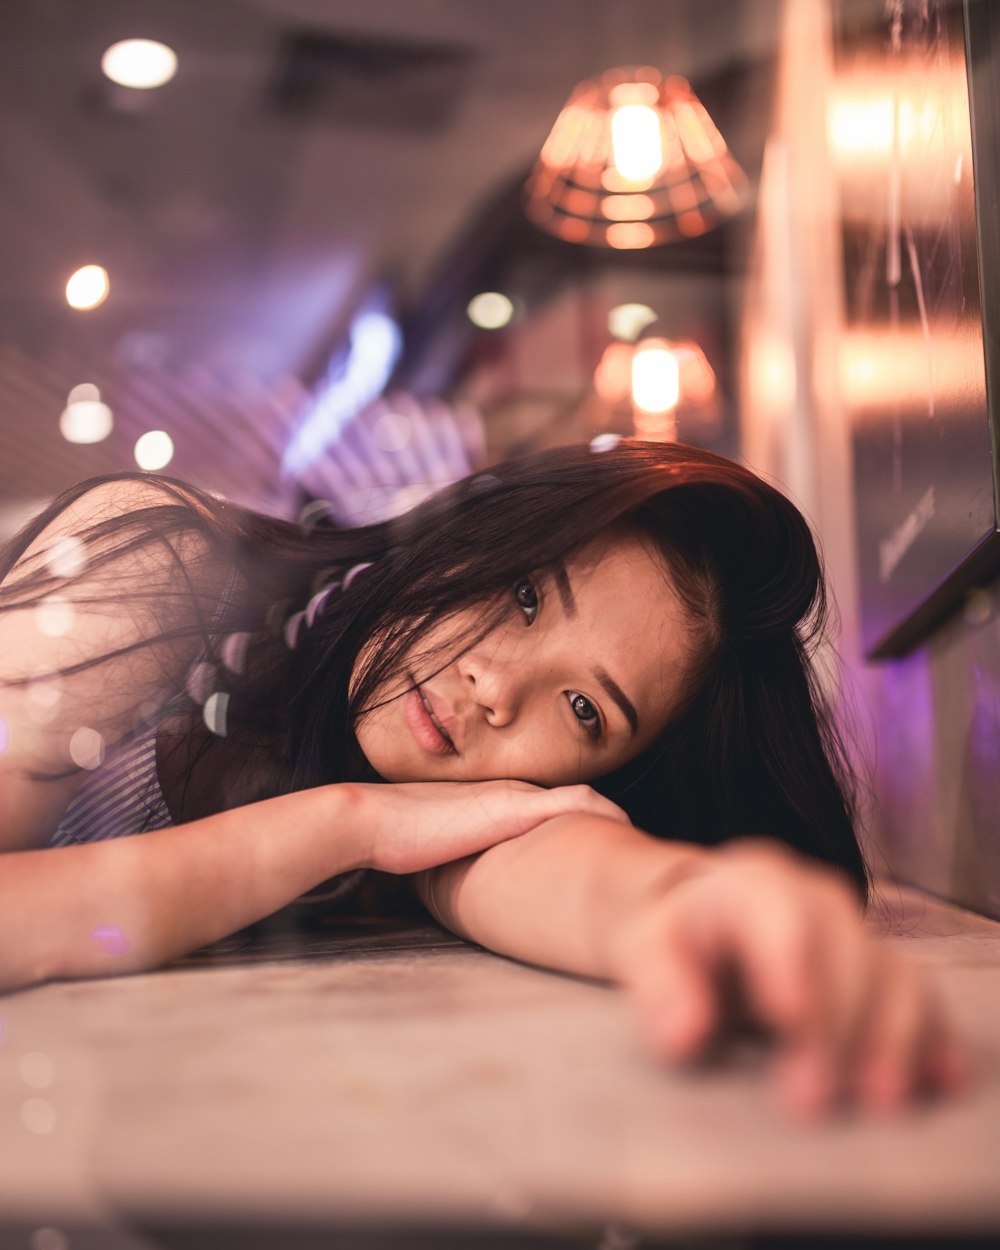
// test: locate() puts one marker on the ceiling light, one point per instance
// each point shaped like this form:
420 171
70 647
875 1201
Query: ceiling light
140 63
490 310
154 450
88 287
655 377
634 160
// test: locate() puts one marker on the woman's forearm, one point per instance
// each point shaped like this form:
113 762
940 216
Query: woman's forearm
136 903
558 895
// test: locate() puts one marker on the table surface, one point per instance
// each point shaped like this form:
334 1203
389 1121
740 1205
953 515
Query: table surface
390 1073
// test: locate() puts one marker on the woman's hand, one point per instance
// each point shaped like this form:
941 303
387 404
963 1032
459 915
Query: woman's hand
407 827
758 934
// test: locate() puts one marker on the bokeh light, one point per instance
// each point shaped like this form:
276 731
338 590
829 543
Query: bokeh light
627 321
112 938
613 375
36 1069
67 557
88 287
86 748
139 63
490 310
4 736
636 142
655 377
85 392
233 651
54 616
201 680
216 712
43 697
86 420
38 1116
392 431
154 450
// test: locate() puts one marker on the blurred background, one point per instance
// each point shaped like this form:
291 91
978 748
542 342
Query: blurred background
334 253
298 221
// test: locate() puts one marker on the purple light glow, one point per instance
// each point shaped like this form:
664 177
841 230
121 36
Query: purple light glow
111 938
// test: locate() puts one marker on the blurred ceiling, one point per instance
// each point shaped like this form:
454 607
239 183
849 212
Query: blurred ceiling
305 149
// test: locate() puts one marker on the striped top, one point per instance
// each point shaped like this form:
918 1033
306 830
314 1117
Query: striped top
118 799
123 797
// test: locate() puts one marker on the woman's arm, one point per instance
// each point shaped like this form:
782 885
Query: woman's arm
113 603
135 903
559 895
703 937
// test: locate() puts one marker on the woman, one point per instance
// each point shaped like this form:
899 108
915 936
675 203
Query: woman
640 620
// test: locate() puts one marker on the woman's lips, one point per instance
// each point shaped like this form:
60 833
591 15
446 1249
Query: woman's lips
425 733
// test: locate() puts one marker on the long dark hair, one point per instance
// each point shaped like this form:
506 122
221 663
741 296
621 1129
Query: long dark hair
753 749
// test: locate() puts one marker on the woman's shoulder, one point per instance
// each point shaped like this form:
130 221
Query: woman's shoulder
102 613
89 518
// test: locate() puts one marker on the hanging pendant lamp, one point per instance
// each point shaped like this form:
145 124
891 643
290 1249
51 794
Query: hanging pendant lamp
634 160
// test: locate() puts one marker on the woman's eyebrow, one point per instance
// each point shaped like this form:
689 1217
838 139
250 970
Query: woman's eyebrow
620 697
566 596
568 600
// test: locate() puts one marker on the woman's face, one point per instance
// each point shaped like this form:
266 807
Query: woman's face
581 676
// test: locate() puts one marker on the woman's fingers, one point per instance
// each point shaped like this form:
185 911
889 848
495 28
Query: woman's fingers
815 1065
907 1047
852 1020
675 998
417 825
565 799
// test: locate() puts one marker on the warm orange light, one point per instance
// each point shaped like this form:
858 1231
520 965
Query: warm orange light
631 234
636 146
658 427
88 287
634 160
904 129
883 370
613 376
873 111
657 374
627 207
696 377
656 379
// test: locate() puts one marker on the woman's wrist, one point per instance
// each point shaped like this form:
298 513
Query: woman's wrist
346 836
679 862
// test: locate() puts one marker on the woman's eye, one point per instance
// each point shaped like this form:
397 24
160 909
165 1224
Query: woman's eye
527 599
585 712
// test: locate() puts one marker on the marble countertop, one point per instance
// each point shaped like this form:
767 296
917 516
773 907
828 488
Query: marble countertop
379 1074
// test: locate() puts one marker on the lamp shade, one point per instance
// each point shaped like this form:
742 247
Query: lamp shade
634 160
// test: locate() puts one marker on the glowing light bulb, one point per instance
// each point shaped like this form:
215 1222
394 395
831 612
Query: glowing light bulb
88 287
490 310
636 143
139 63
655 377
154 450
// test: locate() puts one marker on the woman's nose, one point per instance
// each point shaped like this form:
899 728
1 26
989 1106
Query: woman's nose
493 685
